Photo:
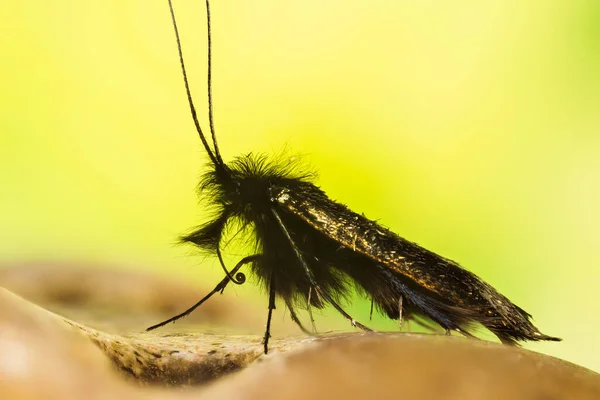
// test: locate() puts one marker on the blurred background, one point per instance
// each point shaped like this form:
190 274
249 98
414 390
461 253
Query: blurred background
471 128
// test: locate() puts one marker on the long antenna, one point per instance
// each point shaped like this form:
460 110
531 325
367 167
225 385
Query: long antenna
216 160
209 78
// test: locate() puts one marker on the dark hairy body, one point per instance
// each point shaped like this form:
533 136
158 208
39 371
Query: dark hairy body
311 251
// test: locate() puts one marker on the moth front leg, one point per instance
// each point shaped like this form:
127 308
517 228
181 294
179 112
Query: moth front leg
270 314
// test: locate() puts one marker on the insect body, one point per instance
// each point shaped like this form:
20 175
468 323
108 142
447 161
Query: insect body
312 251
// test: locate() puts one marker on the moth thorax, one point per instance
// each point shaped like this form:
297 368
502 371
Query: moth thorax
254 192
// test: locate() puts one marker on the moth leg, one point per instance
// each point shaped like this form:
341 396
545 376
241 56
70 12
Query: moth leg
270 314
295 318
465 333
459 330
354 322
399 311
219 288
311 277
371 312
309 309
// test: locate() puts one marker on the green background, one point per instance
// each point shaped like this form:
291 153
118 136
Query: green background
469 127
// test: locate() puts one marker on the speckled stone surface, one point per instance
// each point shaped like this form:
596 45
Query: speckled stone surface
46 356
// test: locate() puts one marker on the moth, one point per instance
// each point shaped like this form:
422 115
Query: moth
312 251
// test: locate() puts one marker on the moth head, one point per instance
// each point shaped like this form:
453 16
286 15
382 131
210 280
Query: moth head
245 185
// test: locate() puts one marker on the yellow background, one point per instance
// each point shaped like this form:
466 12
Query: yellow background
469 127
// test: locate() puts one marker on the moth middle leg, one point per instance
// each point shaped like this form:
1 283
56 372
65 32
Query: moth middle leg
295 318
318 290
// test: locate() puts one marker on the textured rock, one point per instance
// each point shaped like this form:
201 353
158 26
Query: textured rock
404 366
45 356
41 357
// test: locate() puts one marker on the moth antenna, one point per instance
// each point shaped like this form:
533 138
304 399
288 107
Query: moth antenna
209 84
217 161
219 288
239 278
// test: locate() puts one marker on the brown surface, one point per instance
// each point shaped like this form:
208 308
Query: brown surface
120 300
44 356
401 366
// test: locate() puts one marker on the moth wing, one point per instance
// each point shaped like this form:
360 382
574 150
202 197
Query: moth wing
462 296
362 235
